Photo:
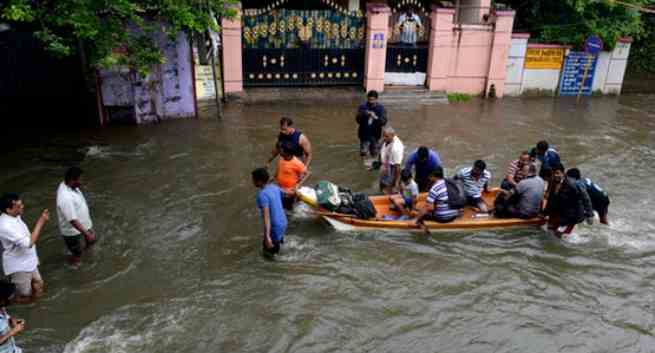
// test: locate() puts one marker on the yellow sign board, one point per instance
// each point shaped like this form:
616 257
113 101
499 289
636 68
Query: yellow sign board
544 58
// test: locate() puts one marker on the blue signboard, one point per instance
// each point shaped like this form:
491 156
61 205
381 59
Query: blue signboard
378 40
593 45
573 73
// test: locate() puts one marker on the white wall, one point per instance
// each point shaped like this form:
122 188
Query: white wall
514 66
618 64
540 79
602 68
608 77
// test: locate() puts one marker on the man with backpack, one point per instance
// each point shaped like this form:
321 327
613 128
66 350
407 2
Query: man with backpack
600 201
437 207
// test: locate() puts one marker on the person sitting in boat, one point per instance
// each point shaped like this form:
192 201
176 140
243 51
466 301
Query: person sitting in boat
290 174
515 171
568 203
423 160
436 206
546 155
391 159
406 200
600 201
475 179
523 201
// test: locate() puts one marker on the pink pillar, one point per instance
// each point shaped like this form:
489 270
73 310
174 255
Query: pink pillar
502 42
377 33
440 52
232 53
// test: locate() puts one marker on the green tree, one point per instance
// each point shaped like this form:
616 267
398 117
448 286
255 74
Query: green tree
642 53
571 21
114 32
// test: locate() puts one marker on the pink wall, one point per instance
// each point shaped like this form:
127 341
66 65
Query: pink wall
470 47
468 58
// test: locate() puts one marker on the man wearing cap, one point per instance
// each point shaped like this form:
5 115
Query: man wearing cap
19 258
9 326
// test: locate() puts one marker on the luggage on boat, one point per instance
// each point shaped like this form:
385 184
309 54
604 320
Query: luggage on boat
456 195
357 204
327 195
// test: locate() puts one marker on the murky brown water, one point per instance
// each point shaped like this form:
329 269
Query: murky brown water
178 265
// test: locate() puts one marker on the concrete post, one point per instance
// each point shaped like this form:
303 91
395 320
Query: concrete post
232 53
440 51
502 41
377 34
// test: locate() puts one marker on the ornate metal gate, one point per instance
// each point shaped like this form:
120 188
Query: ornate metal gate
408 57
303 48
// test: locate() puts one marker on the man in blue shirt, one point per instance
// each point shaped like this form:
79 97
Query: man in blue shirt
269 201
425 161
547 155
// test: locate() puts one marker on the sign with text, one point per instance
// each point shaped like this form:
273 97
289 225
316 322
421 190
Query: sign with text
544 58
578 67
593 45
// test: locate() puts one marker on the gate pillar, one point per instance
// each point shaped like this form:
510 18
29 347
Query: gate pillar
377 34
440 52
232 53
502 41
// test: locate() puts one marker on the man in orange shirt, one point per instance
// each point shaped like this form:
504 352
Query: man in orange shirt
291 173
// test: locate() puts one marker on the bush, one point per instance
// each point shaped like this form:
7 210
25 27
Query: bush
458 97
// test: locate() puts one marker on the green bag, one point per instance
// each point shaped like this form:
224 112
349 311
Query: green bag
327 195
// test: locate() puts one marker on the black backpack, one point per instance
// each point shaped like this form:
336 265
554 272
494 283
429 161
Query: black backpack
456 195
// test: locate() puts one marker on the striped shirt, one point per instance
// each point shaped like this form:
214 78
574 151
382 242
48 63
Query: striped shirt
514 168
438 196
472 187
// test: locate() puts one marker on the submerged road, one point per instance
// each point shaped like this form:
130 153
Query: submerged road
178 267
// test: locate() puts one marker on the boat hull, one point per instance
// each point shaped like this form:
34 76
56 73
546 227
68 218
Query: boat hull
467 222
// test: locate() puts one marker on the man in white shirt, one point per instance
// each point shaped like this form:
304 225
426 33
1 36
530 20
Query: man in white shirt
73 215
409 23
19 258
391 158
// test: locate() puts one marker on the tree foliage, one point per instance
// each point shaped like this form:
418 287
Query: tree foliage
571 21
114 32
642 53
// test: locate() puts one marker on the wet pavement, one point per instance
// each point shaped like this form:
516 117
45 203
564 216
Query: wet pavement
178 264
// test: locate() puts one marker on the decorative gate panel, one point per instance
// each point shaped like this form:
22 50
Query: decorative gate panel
406 59
303 48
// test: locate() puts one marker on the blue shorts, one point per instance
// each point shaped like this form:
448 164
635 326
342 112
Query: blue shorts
408 202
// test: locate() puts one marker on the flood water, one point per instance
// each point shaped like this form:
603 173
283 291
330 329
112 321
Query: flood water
178 265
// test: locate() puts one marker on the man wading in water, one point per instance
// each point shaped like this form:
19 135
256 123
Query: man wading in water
568 203
19 258
269 201
73 215
371 118
299 143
